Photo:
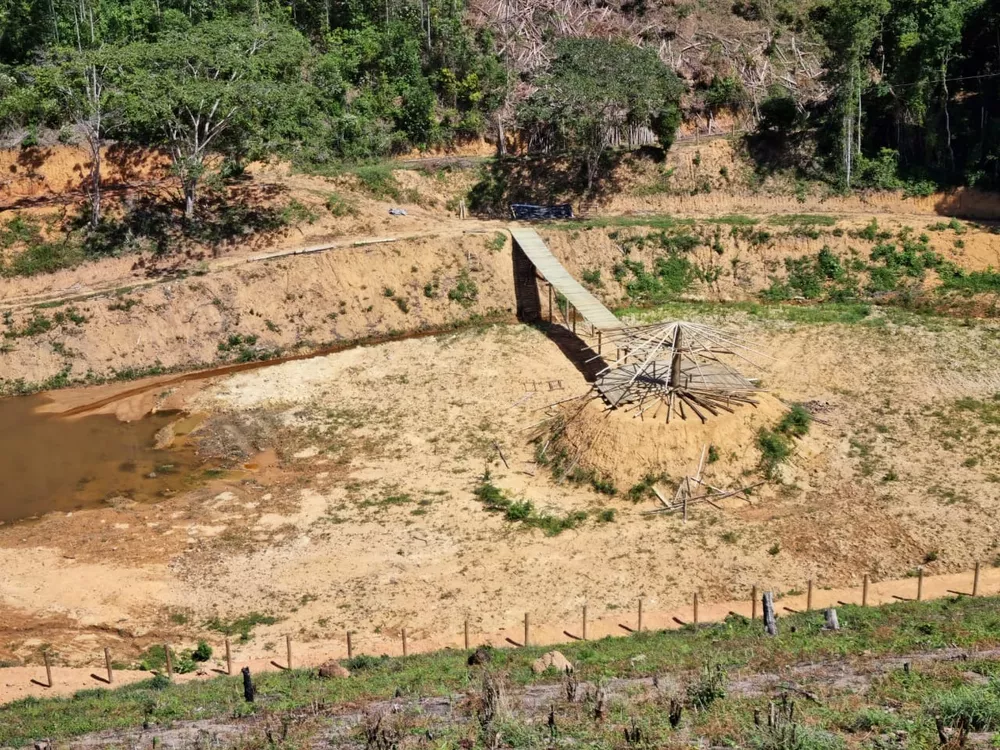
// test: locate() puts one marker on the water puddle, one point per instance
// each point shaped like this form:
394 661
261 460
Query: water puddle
51 463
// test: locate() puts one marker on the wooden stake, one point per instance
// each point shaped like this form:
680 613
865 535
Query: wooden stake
170 662
920 583
526 626
864 591
350 649
466 635
696 609
404 642
640 615
584 622
48 668
809 595
753 603
975 581
550 303
288 651
229 658
599 343
107 663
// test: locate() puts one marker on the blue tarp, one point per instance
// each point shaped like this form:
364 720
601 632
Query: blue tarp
529 212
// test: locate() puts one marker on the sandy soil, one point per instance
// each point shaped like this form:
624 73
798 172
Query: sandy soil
367 516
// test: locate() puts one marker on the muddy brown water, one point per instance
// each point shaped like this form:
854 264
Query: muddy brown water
51 463
76 459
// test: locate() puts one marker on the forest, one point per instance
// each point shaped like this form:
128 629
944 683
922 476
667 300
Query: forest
906 96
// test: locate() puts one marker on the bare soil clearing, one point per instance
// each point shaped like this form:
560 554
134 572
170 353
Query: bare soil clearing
347 500
367 521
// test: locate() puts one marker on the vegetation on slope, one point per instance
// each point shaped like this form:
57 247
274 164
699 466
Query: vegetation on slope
697 669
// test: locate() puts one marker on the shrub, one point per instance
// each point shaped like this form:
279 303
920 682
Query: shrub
340 206
710 687
775 449
465 292
202 653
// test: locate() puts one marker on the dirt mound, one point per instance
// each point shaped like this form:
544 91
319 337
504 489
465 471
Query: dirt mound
624 449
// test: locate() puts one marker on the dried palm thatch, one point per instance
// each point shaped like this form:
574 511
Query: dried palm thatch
677 365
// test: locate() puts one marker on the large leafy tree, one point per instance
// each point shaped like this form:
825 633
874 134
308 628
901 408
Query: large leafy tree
594 87
196 90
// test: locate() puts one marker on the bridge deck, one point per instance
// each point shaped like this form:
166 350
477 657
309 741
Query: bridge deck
548 266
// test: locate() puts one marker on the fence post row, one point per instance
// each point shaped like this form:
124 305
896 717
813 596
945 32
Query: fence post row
768 615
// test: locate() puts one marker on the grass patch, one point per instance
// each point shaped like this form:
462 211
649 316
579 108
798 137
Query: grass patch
495 500
242 626
735 644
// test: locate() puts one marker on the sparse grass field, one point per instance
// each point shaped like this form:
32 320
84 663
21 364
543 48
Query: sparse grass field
719 674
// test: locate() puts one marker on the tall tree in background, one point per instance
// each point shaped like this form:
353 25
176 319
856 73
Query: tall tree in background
194 89
850 28
594 87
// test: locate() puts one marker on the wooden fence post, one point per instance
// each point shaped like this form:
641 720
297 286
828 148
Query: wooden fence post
350 648
753 603
48 668
107 663
640 615
288 650
229 658
584 622
975 581
526 627
864 591
404 643
466 635
920 583
809 595
170 662
695 607
599 342
550 303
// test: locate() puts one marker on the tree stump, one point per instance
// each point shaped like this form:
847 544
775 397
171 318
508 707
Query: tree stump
249 691
770 621
831 619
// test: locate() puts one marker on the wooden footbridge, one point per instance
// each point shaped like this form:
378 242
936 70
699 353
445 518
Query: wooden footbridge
540 260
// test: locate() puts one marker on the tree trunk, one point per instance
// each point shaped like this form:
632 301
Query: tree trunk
95 189
190 188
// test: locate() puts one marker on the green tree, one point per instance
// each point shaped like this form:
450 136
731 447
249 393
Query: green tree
594 87
850 28
195 90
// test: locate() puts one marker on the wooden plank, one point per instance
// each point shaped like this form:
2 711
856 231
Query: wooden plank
545 262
